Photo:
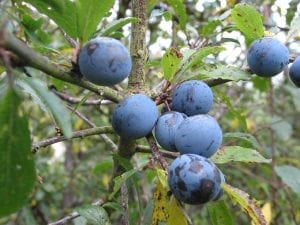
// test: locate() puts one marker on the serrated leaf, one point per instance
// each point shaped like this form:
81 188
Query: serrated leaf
244 137
196 57
49 100
170 62
246 203
79 18
180 12
89 14
248 20
219 213
295 28
120 180
238 154
16 162
94 214
116 25
209 28
290 176
221 72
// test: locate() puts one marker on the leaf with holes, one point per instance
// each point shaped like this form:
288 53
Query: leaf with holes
170 62
238 154
248 20
246 203
16 160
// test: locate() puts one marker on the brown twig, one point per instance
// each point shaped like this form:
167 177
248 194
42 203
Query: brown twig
76 134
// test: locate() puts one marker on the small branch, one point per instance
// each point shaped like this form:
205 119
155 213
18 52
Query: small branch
158 156
105 138
124 203
147 149
76 134
73 100
37 61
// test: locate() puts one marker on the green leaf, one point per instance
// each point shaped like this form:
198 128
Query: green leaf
49 102
236 112
295 28
290 176
180 12
79 18
63 13
247 204
16 161
89 14
219 213
219 72
120 180
243 137
209 28
176 215
238 154
94 214
170 62
261 83
116 25
196 56
282 128
248 20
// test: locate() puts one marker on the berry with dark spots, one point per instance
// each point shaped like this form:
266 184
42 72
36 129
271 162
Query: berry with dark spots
166 127
104 61
135 116
267 57
192 97
295 72
193 180
200 134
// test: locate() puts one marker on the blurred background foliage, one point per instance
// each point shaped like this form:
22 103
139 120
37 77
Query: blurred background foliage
78 172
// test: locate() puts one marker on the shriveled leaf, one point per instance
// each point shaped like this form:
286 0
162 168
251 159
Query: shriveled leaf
170 62
180 12
290 176
89 14
248 20
198 55
219 213
49 100
209 28
295 28
16 162
120 180
176 216
244 137
94 214
238 154
116 25
246 203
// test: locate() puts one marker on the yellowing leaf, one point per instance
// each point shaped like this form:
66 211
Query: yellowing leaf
176 216
267 212
246 203
160 196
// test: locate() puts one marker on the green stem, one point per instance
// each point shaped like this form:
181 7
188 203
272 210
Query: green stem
40 62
